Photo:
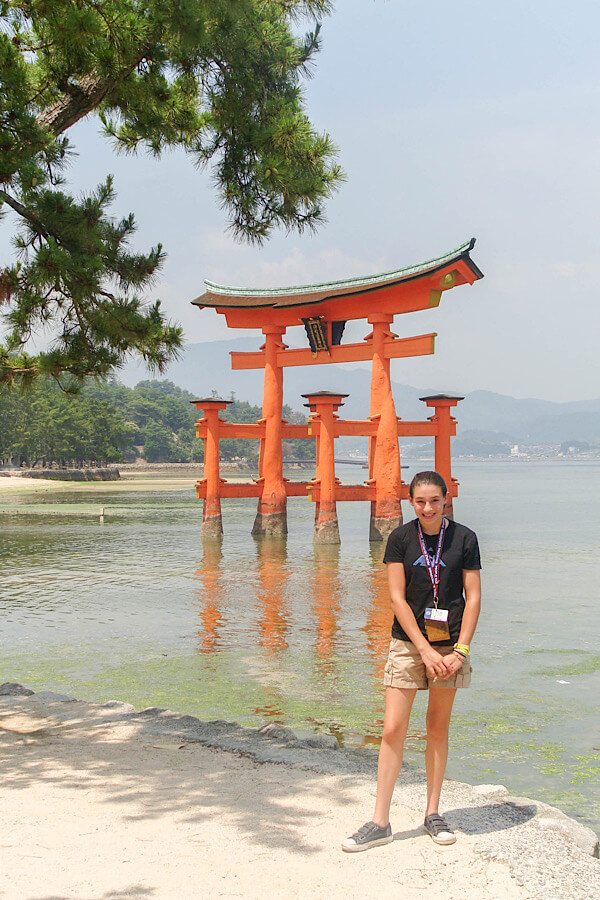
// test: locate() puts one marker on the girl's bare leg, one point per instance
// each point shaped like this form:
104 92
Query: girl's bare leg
398 704
439 711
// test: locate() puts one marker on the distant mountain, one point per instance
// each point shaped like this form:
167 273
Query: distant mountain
531 421
203 368
206 367
566 427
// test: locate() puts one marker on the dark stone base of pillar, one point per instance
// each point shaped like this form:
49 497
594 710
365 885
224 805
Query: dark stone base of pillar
270 523
380 528
212 527
327 533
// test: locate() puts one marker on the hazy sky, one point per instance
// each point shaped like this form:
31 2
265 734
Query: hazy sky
453 120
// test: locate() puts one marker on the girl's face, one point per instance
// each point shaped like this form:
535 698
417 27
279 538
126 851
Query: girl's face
428 504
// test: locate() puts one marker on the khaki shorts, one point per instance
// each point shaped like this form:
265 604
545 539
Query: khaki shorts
405 669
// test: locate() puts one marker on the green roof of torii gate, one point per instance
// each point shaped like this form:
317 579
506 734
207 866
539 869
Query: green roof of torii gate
218 295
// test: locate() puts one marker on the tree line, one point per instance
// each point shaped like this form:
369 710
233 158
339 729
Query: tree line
107 423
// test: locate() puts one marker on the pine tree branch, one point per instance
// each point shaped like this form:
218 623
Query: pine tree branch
219 79
26 214
83 97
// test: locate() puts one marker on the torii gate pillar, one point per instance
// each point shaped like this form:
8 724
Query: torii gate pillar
445 428
384 455
323 407
212 524
271 516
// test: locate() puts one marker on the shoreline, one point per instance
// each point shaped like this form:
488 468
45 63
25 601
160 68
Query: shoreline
178 476
284 802
140 481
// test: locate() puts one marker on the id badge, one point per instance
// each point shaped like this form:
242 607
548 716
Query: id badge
436 624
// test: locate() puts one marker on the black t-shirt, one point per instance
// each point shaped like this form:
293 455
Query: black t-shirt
460 551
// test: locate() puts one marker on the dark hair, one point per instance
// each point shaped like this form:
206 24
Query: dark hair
427 478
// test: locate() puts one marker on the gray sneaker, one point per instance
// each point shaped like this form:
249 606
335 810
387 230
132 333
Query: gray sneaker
439 829
368 835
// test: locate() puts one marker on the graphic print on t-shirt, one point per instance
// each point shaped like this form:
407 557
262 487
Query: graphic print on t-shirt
421 560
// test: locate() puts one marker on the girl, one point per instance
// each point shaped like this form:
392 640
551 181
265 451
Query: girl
435 590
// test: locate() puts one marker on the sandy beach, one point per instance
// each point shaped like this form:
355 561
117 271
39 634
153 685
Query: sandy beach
134 478
140 480
105 802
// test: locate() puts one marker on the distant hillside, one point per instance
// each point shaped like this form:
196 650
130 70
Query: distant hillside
206 367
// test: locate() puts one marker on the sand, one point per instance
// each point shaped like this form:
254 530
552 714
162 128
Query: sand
138 481
133 479
102 802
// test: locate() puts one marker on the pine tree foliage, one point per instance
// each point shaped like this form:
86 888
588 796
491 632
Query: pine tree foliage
218 78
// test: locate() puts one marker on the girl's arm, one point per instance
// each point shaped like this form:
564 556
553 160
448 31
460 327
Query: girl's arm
472 586
435 663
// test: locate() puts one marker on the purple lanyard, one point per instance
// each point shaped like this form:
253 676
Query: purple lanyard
433 567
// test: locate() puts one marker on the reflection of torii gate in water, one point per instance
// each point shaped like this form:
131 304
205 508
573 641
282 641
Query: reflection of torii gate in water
324 310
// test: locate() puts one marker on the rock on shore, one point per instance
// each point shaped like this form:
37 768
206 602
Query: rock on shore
110 473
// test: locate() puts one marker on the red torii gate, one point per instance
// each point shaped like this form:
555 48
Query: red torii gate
324 309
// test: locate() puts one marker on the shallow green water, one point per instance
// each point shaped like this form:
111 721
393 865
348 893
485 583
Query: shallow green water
136 609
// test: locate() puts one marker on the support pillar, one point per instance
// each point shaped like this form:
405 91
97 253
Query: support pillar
445 429
384 454
212 524
323 406
271 516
